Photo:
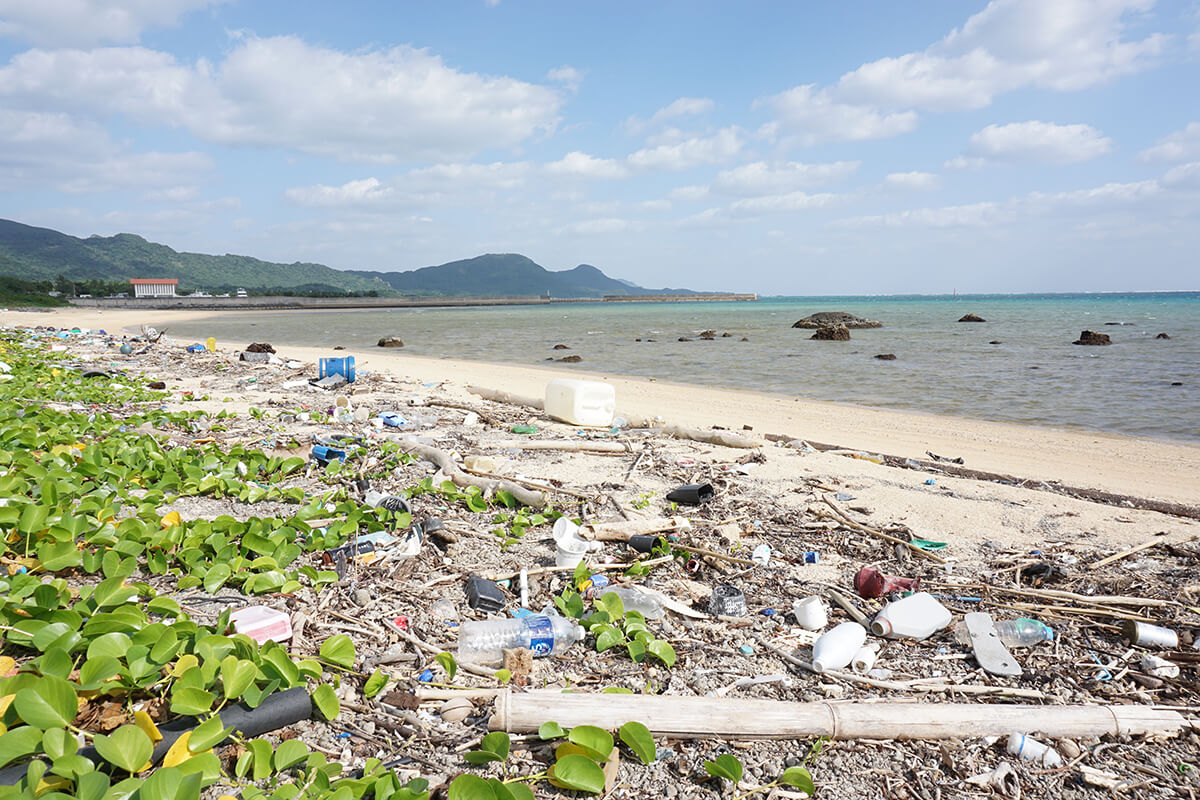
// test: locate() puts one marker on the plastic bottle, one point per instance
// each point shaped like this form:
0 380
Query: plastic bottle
1012 632
544 635
914 617
636 600
837 648
1032 750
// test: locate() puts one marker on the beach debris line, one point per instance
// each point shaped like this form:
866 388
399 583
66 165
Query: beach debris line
224 516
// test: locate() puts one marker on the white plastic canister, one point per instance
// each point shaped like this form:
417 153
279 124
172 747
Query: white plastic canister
577 402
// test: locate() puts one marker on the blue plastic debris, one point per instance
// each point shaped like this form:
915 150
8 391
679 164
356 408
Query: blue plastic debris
426 676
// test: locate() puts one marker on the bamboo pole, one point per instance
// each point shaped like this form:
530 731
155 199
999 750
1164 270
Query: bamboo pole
621 531
742 718
571 446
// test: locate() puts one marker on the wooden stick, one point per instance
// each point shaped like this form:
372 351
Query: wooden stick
505 576
499 396
465 666
744 718
878 534
700 551
1099 600
566 445
622 531
1137 548
449 466
542 487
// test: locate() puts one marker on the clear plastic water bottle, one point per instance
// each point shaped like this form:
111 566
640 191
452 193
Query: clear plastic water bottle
1022 632
544 635
635 599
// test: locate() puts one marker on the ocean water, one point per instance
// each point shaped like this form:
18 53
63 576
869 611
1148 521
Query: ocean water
1139 385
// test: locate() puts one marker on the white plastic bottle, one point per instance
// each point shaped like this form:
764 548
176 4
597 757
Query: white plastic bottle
635 599
545 635
1028 749
837 648
917 616
1012 632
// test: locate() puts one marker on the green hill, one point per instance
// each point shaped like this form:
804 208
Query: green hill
106 263
508 274
43 254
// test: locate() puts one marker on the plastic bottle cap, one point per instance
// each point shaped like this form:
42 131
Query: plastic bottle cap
881 627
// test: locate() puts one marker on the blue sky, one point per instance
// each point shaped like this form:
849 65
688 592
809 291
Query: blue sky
782 148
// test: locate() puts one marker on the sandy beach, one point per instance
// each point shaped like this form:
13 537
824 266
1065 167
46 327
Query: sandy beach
1160 470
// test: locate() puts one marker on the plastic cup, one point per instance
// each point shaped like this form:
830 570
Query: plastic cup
810 613
570 552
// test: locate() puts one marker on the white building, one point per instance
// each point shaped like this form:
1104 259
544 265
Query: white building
154 287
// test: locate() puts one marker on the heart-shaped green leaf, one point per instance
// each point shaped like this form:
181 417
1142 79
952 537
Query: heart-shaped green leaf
18 743
470 787
447 663
725 766
375 683
128 747
551 730
799 778
191 701
596 741
326 701
206 734
236 676
663 651
637 737
289 753
579 773
49 703
339 650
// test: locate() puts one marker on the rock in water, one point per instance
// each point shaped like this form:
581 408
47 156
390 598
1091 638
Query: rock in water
971 318
843 318
886 356
564 347
569 359
832 333
1091 337
1162 336
390 341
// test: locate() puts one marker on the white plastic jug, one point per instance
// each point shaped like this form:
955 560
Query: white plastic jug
837 648
577 402
917 616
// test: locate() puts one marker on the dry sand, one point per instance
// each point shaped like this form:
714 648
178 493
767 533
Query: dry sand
1168 471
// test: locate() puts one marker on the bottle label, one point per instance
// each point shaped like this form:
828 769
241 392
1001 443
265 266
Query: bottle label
541 635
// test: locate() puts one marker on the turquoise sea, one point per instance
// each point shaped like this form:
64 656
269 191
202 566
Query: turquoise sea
1140 385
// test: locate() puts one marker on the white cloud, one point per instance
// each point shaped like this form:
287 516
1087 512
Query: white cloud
922 181
1182 145
598 226
566 75
974 215
75 23
1063 45
385 105
688 193
762 178
54 150
368 191
1184 176
1106 195
962 162
807 117
1038 142
780 203
715 149
683 107
586 166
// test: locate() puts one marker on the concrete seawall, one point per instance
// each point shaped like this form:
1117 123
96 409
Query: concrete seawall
285 302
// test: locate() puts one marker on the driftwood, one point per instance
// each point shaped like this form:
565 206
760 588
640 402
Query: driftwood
581 446
442 459
723 438
878 534
501 396
621 531
1078 492
1137 548
745 718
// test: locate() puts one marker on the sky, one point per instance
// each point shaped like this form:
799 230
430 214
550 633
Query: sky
771 147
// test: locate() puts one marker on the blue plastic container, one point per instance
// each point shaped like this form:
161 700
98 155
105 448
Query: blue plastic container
336 366
323 455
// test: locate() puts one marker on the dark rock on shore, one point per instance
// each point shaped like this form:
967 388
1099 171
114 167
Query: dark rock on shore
971 318
843 318
886 356
832 333
1091 337
259 347
1162 336
390 341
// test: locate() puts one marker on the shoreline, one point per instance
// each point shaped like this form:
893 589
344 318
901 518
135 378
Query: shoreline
1151 468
